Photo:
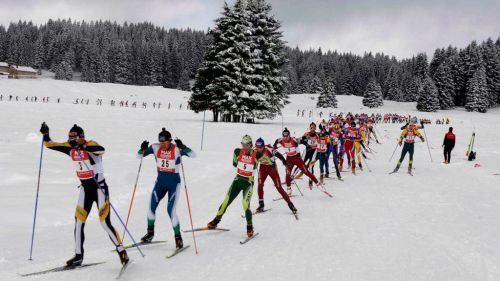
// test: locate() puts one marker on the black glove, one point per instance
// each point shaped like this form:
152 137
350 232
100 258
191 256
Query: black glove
44 129
144 146
179 144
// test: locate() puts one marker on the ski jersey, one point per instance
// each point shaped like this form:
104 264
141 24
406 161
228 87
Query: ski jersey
87 157
352 134
311 138
246 164
270 152
336 136
167 160
291 147
410 133
363 129
323 143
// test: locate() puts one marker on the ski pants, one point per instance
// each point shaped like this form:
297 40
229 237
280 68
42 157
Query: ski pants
165 185
447 153
323 160
408 147
271 171
292 161
349 149
357 146
335 151
245 185
90 192
309 158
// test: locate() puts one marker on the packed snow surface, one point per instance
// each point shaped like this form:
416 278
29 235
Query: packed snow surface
441 224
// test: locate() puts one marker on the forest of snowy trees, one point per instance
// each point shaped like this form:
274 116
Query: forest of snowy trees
145 54
103 51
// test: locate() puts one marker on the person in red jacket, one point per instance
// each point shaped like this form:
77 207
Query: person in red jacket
448 145
266 169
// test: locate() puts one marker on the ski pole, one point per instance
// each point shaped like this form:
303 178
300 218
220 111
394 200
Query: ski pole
300 191
112 207
36 201
133 195
366 163
189 207
394 151
427 142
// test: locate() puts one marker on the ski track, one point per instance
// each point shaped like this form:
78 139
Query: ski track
440 224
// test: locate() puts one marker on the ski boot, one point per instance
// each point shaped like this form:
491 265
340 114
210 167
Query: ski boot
75 261
292 208
213 224
149 235
261 207
409 170
327 175
123 257
178 242
249 230
360 166
310 184
397 168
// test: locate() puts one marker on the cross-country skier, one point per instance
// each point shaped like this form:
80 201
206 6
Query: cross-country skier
87 157
291 147
408 135
266 169
311 138
245 160
321 153
168 159
448 145
351 136
337 146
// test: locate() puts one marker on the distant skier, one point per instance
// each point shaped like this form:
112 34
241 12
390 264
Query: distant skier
321 153
352 136
245 160
448 145
168 158
266 169
408 135
87 156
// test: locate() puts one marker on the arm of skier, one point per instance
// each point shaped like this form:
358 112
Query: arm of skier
94 148
235 157
63 147
280 157
186 151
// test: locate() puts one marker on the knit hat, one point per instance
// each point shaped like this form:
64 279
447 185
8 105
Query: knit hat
259 142
164 135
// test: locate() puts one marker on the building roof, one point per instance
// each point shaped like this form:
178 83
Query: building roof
19 68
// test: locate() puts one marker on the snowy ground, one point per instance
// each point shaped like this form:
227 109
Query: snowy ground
441 224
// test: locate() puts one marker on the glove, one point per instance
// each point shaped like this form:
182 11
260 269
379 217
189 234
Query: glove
179 144
144 146
422 139
400 143
44 129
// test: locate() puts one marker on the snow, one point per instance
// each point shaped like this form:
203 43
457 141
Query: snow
440 224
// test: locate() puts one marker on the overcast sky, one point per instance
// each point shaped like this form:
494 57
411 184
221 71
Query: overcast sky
395 27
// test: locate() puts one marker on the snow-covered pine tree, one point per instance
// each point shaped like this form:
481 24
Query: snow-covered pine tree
373 94
391 84
327 98
266 82
220 84
477 92
428 100
445 85
120 64
491 55
63 71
